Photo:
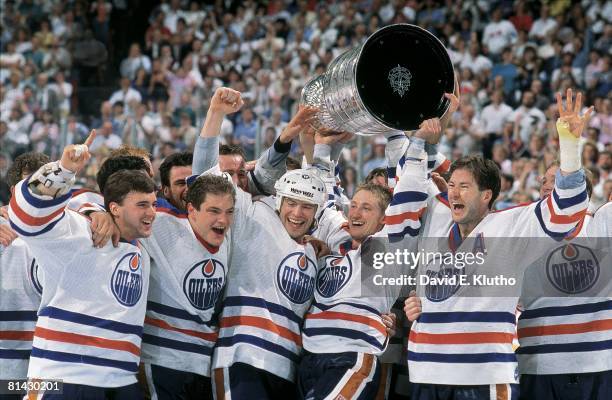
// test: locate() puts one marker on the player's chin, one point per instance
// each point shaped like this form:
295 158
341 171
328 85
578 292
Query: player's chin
145 230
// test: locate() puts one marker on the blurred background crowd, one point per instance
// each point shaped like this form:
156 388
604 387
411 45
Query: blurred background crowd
142 73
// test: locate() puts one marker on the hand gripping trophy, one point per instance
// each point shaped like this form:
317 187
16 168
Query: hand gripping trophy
394 81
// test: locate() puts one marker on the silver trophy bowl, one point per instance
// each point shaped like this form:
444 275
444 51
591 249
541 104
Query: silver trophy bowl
392 82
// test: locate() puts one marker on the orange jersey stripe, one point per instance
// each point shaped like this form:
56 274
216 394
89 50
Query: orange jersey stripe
16 335
399 218
30 220
262 323
444 167
460 338
350 317
211 337
563 219
76 338
566 329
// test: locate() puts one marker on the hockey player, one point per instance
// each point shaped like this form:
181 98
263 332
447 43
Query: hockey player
343 331
271 280
173 173
21 288
460 345
92 309
189 265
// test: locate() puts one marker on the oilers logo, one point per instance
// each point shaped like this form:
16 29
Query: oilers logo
334 276
203 283
126 282
442 284
295 277
572 268
34 277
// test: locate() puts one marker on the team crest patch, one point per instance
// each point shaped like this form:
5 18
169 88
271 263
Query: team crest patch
34 277
442 284
203 283
334 276
295 277
572 268
126 282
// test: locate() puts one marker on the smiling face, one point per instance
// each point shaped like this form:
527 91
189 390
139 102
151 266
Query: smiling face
365 215
297 217
468 203
213 217
175 193
134 216
234 165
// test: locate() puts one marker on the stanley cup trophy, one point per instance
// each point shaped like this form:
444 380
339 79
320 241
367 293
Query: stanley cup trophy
394 81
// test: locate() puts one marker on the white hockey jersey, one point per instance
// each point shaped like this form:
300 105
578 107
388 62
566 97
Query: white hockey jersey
92 309
565 326
270 286
186 287
461 340
20 292
346 313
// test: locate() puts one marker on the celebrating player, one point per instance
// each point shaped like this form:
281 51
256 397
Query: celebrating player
93 304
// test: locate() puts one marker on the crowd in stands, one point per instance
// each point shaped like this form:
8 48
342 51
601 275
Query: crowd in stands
510 56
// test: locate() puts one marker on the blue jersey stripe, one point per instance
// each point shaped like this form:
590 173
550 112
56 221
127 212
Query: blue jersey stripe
40 232
567 310
39 203
177 345
467 316
408 197
326 307
558 236
173 312
61 356
9 354
565 347
408 230
567 202
235 301
258 342
83 319
18 316
462 358
343 332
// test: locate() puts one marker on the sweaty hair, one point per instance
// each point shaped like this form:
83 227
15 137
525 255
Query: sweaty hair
485 172
182 159
205 184
25 164
115 164
121 183
231 149
382 194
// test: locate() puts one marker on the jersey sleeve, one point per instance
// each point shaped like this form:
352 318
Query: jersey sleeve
559 213
409 197
37 216
269 168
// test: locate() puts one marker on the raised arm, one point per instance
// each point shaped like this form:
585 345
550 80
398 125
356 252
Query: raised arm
566 206
39 202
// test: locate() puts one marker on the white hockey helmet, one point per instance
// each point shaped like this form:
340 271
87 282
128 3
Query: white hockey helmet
303 185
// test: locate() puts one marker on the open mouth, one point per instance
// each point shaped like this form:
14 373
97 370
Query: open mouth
357 223
457 206
218 230
296 222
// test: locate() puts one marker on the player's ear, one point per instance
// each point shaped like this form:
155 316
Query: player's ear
487 194
113 208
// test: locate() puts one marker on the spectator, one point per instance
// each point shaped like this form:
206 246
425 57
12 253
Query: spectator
493 118
125 94
245 132
498 34
105 138
528 119
134 61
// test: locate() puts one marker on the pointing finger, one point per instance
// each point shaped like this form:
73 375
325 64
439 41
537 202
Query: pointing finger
90 138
